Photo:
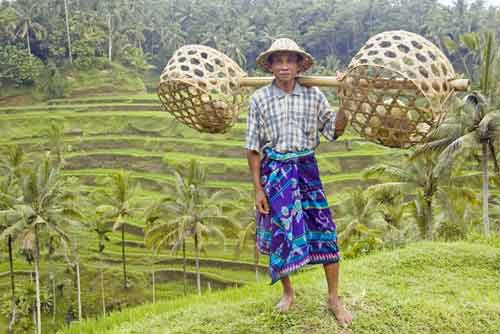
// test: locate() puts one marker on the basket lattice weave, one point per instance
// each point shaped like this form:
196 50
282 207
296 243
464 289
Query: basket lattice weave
199 88
396 88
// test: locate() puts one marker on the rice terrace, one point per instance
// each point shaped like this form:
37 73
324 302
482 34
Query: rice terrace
159 166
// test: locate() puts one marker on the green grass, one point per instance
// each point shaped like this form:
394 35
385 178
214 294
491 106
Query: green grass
423 288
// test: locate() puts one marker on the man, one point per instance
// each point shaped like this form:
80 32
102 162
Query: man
294 223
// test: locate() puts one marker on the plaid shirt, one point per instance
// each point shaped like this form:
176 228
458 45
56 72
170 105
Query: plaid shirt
288 122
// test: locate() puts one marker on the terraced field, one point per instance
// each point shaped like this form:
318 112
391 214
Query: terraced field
106 134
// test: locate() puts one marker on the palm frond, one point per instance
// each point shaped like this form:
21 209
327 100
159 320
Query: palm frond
392 172
449 154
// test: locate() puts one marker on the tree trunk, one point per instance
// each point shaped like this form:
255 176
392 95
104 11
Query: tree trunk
125 285
102 287
12 287
37 284
184 274
428 217
67 31
28 39
54 305
110 39
198 279
486 219
154 286
79 291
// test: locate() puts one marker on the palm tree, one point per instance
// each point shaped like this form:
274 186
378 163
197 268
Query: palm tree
111 10
480 55
66 16
26 12
44 203
479 124
190 212
242 212
11 168
5 222
13 164
470 126
415 174
163 228
96 223
118 196
55 135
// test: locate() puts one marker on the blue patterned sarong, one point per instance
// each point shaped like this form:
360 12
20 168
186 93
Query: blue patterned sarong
299 228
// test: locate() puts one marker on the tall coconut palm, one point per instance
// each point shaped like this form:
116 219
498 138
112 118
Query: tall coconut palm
43 204
469 127
102 230
7 220
118 197
26 11
164 229
96 223
68 36
11 168
191 212
475 122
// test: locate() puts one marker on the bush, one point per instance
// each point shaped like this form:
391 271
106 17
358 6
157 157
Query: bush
51 83
135 58
17 67
25 304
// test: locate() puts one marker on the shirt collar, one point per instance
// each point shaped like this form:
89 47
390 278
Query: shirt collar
298 89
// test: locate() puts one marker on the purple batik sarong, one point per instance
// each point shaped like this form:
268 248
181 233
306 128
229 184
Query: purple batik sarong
299 228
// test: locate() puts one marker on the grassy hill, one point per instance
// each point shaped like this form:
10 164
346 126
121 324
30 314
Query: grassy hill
104 134
423 288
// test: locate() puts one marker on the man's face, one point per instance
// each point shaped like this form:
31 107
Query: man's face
285 65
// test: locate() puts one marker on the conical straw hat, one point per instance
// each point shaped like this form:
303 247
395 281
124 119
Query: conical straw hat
284 44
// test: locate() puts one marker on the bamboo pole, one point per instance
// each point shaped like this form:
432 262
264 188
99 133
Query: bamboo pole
459 85
325 81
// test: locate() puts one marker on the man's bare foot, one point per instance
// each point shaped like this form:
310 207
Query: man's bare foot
285 303
343 316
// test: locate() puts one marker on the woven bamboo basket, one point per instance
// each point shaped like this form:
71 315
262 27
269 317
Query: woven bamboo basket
396 88
199 88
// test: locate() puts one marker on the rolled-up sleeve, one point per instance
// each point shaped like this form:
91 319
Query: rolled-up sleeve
253 127
326 118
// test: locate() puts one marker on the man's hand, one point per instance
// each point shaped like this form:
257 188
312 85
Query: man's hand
341 120
339 75
261 202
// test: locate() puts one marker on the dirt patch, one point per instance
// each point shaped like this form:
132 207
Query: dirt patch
110 161
216 264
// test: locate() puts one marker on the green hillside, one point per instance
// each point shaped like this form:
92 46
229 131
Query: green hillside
105 134
423 288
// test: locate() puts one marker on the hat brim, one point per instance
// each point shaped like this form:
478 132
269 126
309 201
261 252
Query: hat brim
263 59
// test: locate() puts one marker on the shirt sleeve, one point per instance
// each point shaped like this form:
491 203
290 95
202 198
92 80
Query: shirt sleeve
253 127
326 118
